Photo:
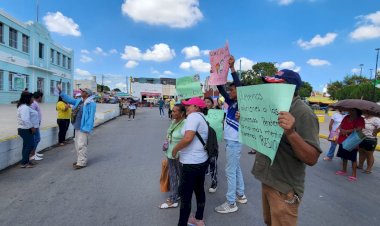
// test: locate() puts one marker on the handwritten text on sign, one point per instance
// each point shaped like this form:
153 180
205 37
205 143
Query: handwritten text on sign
259 106
188 87
219 65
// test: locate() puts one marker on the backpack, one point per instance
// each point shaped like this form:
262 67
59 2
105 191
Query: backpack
75 111
212 147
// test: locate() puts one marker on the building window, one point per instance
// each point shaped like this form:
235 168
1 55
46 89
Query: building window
18 82
64 61
63 87
52 56
25 43
12 38
1 80
58 58
41 48
69 63
1 33
52 87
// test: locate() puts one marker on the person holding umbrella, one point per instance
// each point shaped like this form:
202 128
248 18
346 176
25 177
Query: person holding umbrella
368 145
351 122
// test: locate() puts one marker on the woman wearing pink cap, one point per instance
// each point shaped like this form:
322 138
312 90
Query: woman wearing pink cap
194 160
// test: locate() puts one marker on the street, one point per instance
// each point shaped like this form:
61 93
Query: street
120 186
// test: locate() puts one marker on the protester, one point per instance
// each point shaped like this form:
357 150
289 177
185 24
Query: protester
174 135
235 181
37 98
171 106
335 121
194 160
368 145
161 104
25 127
213 160
132 109
351 122
83 120
283 180
63 119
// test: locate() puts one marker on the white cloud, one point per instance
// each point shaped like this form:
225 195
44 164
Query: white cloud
121 85
99 51
284 2
197 65
112 51
246 64
155 72
317 41
368 27
159 53
355 71
206 52
168 73
288 65
131 64
108 82
57 22
172 13
85 59
191 52
81 72
318 62
84 51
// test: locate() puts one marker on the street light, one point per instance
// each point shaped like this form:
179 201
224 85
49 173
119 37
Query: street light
374 83
370 73
361 68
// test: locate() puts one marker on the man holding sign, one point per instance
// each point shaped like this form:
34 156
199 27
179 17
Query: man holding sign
234 174
283 180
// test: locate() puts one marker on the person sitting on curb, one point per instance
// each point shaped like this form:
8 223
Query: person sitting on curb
83 121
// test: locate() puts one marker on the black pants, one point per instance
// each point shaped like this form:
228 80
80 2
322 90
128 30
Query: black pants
63 125
132 112
192 180
27 144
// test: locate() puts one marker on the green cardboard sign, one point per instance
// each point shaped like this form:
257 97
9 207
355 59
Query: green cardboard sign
215 119
188 87
259 106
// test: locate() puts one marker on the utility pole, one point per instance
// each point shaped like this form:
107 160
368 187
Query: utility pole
102 87
361 68
130 85
374 82
126 83
370 74
38 9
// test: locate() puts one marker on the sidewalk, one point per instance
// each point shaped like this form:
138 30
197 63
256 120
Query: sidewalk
8 118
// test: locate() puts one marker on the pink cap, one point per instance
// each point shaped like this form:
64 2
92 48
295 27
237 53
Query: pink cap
195 101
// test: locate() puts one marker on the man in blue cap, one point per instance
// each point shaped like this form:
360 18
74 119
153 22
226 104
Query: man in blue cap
283 181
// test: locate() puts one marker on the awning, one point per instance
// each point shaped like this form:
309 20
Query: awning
150 94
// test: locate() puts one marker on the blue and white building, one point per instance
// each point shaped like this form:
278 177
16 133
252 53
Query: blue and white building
29 58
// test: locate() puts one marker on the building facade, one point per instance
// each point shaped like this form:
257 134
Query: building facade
29 58
86 84
151 89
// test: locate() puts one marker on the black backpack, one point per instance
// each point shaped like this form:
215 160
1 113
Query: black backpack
212 147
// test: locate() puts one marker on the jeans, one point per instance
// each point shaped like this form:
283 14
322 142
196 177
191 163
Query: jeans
132 112
63 125
192 180
37 138
27 145
234 174
162 111
331 152
174 175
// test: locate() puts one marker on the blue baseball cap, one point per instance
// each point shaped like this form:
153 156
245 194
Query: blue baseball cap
285 76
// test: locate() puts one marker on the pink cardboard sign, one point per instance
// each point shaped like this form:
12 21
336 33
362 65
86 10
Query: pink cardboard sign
219 65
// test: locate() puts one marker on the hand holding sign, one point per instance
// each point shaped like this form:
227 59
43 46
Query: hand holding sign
286 121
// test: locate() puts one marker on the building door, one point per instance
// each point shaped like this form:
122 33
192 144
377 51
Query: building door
40 84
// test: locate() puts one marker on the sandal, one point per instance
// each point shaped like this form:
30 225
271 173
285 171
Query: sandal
352 178
340 172
167 205
327 159
367 172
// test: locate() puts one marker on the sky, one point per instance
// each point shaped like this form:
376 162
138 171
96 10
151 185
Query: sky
323 40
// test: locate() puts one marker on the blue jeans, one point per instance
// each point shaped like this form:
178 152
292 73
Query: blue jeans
331 152
162 111
234 174
37 138
27 144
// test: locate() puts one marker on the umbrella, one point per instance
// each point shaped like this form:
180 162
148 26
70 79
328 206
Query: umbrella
363 105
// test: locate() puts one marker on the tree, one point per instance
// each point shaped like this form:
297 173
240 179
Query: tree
333 89
305 89
99 88
116 90
253 77
355 80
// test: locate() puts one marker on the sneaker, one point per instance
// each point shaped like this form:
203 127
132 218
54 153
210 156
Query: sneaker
241 199
39 155
35 157
213 188
77 167
194 222
226 208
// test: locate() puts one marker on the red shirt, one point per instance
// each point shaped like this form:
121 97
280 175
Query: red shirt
347 124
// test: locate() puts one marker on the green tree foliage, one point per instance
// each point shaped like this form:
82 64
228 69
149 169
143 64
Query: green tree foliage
305 90
105 88
116 90
253 76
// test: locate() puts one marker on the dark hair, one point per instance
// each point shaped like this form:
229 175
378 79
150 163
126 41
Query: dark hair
358 112
37 94
25 98
209 98
181 108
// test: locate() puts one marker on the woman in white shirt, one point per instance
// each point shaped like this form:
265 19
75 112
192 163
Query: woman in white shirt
27 120
368 145
335 121
194 160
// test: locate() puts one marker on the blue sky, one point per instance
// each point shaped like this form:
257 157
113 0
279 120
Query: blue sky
322 39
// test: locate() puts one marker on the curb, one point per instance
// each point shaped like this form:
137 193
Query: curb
324 136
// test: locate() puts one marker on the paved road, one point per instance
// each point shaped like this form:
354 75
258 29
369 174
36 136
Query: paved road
120 186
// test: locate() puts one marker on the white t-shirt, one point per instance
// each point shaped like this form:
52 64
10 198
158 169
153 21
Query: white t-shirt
337 118
370 125
194 153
